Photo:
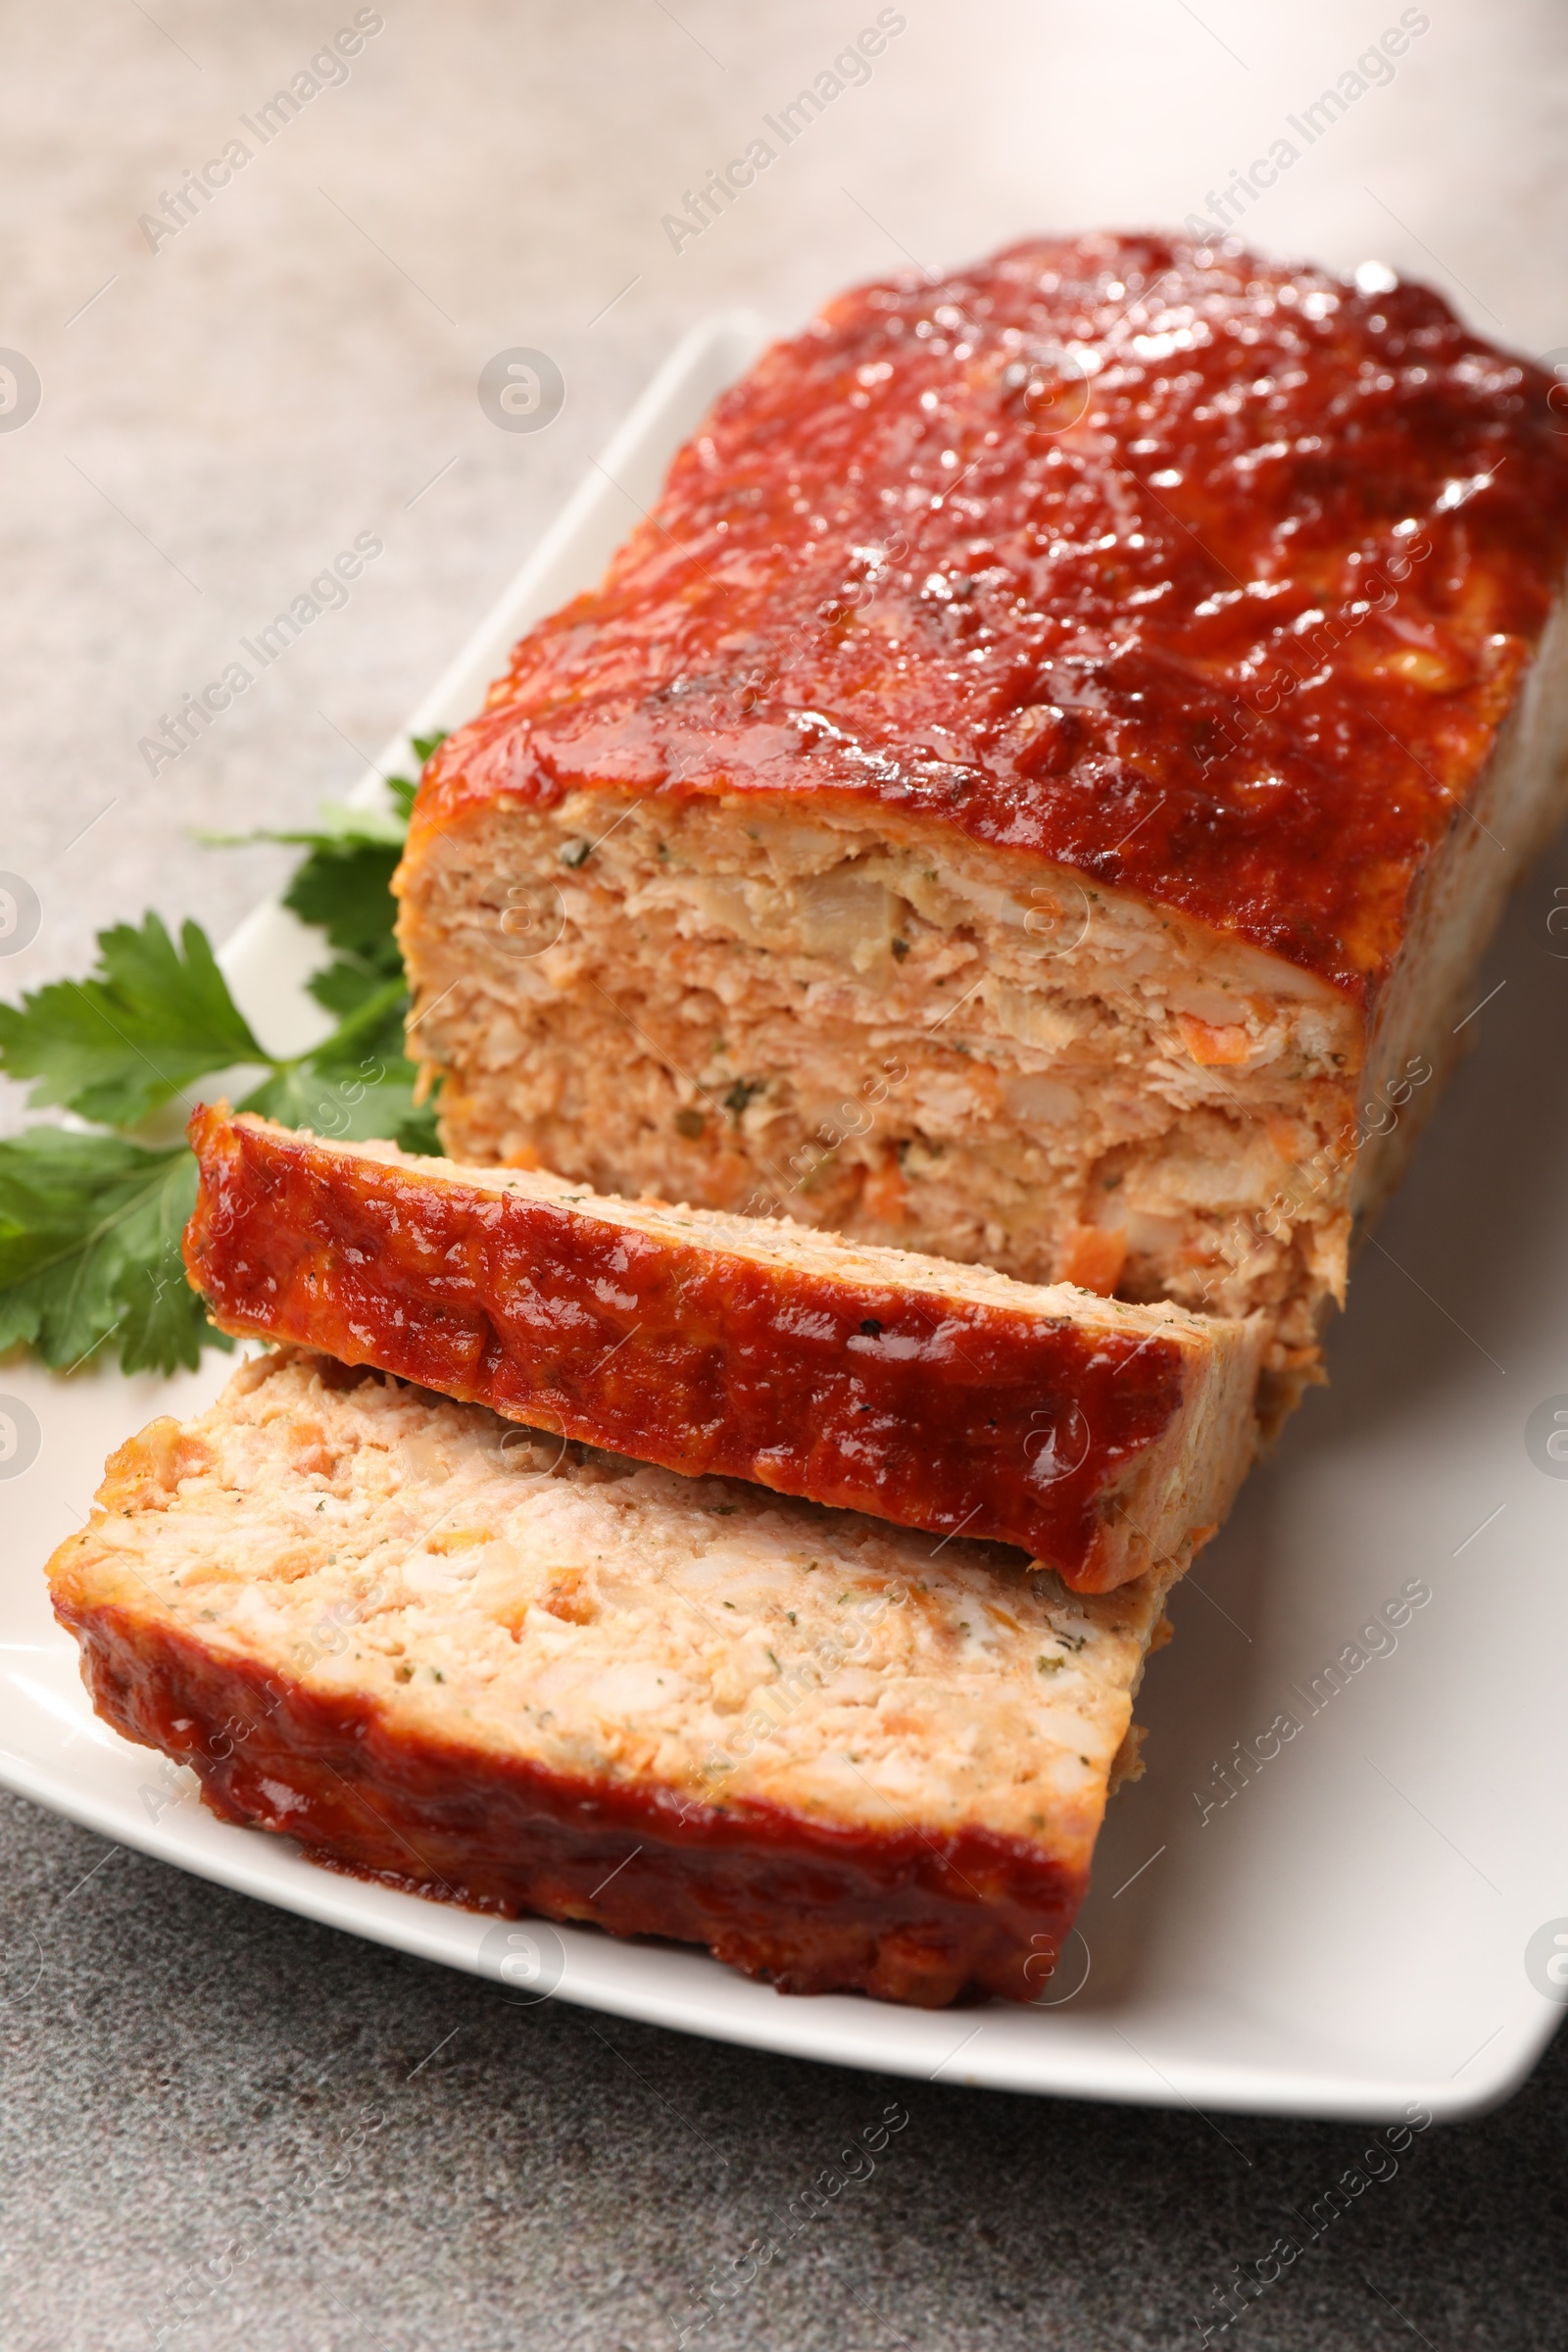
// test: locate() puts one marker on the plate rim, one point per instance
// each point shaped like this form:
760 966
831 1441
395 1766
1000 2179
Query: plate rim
267 1868
845 2029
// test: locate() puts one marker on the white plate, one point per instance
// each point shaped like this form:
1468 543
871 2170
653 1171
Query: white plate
1350 1933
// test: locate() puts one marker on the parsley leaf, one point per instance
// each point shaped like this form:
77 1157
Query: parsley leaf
418 1132
358 1083
89 1248
351 1108
355 1083
348 894
150 1020
344 885
90 1225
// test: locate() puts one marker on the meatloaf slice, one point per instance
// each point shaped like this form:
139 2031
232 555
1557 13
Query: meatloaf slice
403 1633
1099 1437
1037 787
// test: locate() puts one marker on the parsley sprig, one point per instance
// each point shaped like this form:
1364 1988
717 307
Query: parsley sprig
90 1220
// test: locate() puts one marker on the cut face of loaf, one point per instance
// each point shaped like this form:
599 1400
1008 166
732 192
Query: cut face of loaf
1106 1440
399 1631
1037 789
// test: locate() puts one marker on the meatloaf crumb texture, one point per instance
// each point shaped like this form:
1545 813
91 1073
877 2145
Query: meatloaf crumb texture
1036 789
1099 1437
519 1675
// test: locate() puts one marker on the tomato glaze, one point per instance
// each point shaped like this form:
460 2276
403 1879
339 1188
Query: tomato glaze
931 1411
813 1906
1206 577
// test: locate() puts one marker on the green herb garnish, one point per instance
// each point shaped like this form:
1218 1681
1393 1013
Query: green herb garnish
89 1251
90 1222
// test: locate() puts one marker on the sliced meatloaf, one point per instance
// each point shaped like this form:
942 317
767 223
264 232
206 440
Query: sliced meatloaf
525 1676
1036 785
1103 1439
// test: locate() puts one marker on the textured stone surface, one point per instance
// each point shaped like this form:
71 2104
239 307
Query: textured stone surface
226 416
188 2061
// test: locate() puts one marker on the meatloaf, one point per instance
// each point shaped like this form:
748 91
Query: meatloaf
1036 787
1101 1437
439 1652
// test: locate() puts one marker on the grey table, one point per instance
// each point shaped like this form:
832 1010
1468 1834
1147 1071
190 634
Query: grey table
192 2067
222 2122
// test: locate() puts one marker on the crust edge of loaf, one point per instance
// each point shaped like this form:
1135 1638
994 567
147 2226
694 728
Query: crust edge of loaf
798 1903
1160 1506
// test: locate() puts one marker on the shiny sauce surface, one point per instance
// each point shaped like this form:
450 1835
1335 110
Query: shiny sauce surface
812 1904
929 1411
1206 577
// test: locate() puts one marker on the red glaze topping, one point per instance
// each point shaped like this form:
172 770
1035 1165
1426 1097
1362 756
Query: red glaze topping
815 1907
1207 578
931 1412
